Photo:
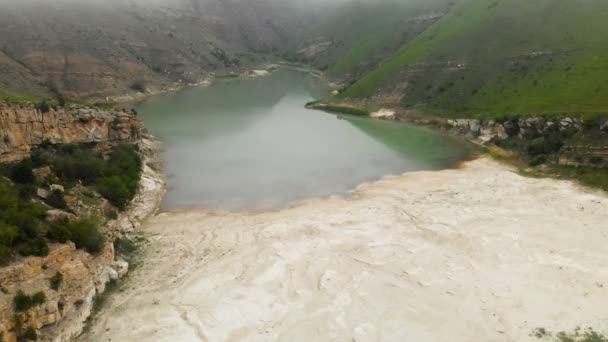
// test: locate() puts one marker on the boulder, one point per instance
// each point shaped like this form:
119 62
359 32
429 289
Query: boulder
604 126
501 132
566 122
43 193
59 215
57 187
511 128
475 126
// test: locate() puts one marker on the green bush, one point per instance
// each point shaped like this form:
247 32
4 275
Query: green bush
59 232
538 160
78 164
38 298
86 235
5 254
30 334
22 301
36 246
591 122
56 200
121 176
55 281
596 160
115 190
21 224
116 178
23 227
536 147
22 173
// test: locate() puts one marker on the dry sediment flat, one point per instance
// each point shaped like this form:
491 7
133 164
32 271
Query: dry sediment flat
473 254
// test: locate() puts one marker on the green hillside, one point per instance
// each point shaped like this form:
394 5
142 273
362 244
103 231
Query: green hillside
364 33
492 57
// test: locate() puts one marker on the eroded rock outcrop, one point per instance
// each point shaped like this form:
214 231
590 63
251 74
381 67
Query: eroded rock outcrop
66 307
25 126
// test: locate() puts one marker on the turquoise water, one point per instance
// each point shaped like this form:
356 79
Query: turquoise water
251 144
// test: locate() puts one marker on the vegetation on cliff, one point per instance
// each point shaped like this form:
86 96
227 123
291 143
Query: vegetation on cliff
24 226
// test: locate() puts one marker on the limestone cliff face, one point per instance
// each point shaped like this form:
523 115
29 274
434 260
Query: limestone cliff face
63 314
84 275
23 127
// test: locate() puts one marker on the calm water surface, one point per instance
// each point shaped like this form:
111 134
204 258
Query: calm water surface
251 144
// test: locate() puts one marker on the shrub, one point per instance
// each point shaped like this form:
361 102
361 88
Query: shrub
22 302
138 86
55 281
8 234
22 173
85 234
20 223
555 141
43 107
122 175
536 147
78 164
115 190
59 232
591 122
5 254
596 160
38 299
538 160
36 246
30 334
56 200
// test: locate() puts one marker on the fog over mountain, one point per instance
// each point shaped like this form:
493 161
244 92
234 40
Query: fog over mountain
101 47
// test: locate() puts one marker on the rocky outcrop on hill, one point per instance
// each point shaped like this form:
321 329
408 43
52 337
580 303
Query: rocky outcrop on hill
568 139
26 126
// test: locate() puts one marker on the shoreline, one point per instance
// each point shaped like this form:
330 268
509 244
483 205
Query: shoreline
289 266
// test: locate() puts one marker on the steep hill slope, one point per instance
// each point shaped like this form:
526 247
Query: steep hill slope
97 48
354 37
493 57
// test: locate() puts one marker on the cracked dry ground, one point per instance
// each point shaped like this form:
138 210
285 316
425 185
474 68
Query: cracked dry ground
474 254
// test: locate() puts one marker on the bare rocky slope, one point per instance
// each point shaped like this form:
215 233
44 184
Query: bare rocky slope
93 49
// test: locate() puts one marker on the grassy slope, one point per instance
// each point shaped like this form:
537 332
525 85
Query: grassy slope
365 32
496 40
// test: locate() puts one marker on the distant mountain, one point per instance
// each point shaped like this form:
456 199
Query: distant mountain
94 48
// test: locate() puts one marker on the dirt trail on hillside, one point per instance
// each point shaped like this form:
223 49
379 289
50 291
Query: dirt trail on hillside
475 254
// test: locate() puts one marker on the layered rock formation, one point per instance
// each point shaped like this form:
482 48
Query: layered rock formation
66 307
23 127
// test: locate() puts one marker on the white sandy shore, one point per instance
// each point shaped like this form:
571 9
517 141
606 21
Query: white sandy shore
475 254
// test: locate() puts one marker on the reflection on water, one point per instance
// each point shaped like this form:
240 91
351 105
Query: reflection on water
251 144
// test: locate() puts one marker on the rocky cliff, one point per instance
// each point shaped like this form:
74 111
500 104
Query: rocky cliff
25 126
66 307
